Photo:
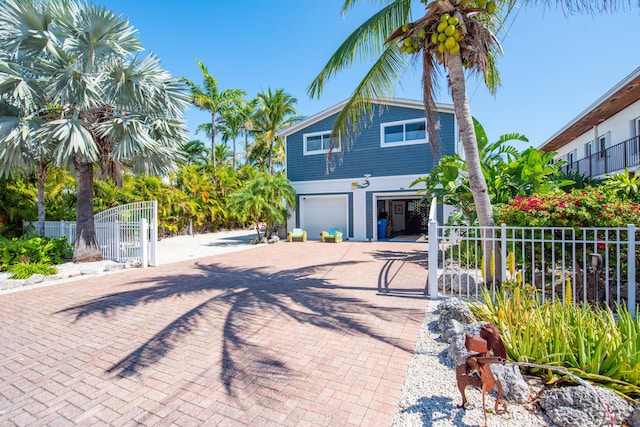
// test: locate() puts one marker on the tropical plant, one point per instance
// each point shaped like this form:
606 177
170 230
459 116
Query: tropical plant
224 154
274 112
508 173
24 270
33 249
451 34
590 342
213 100
196 153
264 199
113 109
624 185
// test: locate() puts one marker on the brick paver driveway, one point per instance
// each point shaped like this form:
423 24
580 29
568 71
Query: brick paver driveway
286 334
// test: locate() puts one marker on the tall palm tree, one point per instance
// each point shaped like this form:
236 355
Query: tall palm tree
113 109
274 112
211 99
391 39
231 126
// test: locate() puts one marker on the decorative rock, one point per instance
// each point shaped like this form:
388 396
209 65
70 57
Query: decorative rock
456 309
514 387
579 406
453 328
458 353
457 283
634 418
35 278
273 239
115 267
259 241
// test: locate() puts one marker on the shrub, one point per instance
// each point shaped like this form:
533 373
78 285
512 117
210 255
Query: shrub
38 250
579 208
589 341
24 270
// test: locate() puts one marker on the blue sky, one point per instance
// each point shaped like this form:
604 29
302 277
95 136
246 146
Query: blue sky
554 66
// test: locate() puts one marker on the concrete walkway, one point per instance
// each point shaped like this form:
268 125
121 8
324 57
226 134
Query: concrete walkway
285 334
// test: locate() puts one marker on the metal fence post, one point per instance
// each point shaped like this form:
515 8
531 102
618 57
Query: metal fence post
631 275
144 241
433 259
503 250
153 247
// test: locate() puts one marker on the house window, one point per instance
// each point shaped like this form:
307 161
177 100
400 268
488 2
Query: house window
570 159
587 149
320 143
602 145
403 133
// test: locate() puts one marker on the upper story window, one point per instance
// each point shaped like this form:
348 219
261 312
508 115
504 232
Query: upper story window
403 133
602 145
320 143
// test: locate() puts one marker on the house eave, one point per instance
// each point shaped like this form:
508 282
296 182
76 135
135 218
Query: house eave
393 102
625 93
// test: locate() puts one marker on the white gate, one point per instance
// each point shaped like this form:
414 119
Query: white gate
124 233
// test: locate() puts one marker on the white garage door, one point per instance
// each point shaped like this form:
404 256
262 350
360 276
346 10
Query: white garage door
323 213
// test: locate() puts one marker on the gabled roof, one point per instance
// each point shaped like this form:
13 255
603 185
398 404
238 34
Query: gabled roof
615 100
394 102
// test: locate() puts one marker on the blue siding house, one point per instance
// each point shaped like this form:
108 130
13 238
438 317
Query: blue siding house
365 179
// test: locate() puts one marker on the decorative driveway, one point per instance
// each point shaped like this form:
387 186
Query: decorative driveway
285 334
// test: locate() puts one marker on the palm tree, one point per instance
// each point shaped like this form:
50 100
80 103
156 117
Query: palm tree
223 154
274 112
232 124
209 98
112 108
195 152
263 199
451 34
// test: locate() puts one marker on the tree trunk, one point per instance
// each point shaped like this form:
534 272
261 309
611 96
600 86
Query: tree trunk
234 153
477 181
86 248
42 176
213 138
270 156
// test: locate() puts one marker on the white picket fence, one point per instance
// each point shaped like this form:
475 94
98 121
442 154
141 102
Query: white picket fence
589 265
124 233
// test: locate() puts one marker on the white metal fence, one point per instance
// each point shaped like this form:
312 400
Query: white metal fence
589 265
124 233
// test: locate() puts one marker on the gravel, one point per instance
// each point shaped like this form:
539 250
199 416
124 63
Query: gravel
430 394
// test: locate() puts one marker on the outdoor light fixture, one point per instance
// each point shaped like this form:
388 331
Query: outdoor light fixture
596 261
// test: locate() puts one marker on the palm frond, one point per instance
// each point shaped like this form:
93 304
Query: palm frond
365 43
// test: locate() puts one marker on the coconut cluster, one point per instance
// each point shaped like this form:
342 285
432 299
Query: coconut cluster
447 35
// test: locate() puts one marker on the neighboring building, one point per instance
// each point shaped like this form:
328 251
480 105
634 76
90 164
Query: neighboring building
368 177
604 138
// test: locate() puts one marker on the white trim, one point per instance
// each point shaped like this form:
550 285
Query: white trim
393 102
388 196
383 126
306 152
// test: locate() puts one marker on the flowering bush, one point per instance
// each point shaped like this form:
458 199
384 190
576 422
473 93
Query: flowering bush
580 208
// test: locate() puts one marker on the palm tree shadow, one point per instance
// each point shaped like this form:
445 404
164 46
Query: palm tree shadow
243 298
441 408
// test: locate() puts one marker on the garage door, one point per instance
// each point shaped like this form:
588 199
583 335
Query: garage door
323 213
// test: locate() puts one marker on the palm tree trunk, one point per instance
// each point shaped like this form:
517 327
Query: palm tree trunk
477 181
42 176
213 138
86 248
234 153
270 156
